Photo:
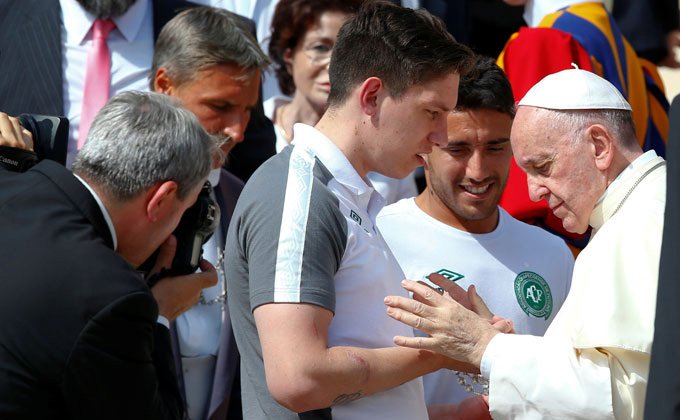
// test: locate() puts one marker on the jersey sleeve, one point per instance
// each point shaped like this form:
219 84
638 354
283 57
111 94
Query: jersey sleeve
292 235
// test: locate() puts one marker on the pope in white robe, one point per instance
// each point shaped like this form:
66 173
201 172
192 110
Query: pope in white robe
571 137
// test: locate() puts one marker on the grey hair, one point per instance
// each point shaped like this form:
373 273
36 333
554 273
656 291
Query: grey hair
202 37
619 122
139 139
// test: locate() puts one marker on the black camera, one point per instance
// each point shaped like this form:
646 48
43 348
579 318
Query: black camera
50 138
196 226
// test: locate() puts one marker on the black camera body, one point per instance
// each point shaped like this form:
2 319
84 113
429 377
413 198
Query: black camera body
196 226
50 140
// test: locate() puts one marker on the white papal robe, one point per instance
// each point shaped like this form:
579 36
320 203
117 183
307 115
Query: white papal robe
593 361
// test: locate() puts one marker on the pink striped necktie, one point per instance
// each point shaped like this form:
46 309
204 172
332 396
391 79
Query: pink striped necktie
97 77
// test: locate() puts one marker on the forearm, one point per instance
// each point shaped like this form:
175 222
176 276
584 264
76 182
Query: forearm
342 374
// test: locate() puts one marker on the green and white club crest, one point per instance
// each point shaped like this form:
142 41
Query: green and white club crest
533 294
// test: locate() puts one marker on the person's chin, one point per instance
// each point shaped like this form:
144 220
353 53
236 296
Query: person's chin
572 226
475 211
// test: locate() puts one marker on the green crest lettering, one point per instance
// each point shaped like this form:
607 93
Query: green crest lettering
533 294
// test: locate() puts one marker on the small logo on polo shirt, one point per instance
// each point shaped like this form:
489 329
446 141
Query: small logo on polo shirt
533 294
449 274
354 216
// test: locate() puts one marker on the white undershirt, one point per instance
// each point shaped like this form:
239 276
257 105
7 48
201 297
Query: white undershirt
131 45
198 330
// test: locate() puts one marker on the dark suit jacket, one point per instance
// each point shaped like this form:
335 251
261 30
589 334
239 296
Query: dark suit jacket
78 331
663 391
31 79
225 400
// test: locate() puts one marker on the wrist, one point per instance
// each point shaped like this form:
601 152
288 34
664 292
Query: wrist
480 347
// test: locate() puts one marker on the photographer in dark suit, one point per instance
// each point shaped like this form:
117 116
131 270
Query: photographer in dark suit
78 324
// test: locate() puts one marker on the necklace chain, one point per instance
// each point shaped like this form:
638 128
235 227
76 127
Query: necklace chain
630 191
473 383
221 279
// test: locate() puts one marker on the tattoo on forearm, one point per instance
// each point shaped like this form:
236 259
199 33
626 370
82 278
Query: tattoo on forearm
345 398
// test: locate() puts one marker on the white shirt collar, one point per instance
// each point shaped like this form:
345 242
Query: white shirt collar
214 176
634 165
332 157
105 212
78 21
365 196
536 10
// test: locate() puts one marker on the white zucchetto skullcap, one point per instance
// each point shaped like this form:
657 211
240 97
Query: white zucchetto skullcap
574 89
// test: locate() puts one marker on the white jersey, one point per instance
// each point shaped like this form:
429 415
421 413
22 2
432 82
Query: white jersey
521 271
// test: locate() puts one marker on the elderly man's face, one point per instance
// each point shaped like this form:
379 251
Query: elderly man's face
560 168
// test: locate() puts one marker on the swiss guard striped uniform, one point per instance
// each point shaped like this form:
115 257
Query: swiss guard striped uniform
304 231
584 34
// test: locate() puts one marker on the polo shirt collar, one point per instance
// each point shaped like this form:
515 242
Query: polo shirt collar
332 158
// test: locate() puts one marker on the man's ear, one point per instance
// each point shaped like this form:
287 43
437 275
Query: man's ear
368 95
159 200
163 83
602 146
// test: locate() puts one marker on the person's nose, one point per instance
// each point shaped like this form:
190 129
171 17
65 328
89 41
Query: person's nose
537 190
235 126
476 169
440 135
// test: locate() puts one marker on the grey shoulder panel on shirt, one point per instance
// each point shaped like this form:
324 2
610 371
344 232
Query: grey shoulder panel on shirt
287 236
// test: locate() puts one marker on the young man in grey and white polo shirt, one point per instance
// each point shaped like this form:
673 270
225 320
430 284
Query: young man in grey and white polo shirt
307 268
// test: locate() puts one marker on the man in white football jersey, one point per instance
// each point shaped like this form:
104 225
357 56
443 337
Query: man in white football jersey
456 228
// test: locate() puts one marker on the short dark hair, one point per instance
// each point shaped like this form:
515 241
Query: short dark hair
292 19
487 87
202 37
401 46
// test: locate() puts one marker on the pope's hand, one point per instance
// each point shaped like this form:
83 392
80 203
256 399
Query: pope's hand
454 331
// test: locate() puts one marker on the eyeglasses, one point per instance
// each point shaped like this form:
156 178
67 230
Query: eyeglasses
318 53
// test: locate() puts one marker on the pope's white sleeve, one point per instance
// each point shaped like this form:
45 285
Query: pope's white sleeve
546 378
